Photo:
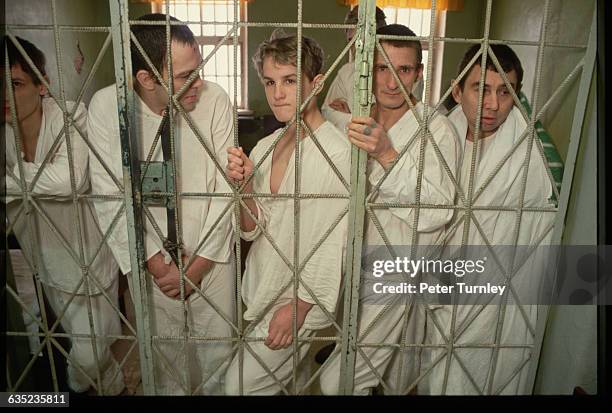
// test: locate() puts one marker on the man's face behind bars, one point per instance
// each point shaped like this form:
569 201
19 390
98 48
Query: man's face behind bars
280 85
497 101
386 90
185 60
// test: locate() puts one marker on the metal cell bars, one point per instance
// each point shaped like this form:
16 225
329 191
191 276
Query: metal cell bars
237 196
183 195
63 162
262 195
187 338
298 264
423 131
508 273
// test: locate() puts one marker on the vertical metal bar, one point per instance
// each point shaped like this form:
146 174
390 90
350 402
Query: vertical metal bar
226 75
131 182
237 232
364 60
296 198
214 8
421 161
568 177
244 42
235 43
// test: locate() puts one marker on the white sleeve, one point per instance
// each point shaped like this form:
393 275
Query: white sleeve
339 89
436 185
101 123
55 176
339 119
218 245
153 242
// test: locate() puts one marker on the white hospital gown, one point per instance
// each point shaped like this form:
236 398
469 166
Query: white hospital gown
498 226
398 227
57 265
196 172
266 273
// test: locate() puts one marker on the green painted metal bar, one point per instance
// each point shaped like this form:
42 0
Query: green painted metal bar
364 61
296 200
131 180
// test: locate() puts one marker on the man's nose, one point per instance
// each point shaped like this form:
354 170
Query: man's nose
279 92
391 82
492 101
197 82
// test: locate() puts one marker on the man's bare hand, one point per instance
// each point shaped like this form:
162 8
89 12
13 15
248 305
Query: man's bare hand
157 266
367 134
168 283
167 277
239 166
280 329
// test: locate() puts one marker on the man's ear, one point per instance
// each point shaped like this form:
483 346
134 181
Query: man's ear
457 93
145 80
318 83
419 70
42 89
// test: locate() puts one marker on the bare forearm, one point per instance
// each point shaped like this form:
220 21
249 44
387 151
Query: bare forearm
246 222
199 266
303 308
386 159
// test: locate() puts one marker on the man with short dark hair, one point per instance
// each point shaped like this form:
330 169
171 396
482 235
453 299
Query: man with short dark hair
497 106
205 244
383 135
38 122
499 175
337 105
